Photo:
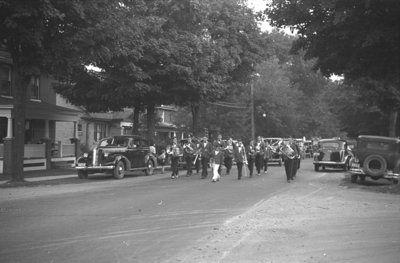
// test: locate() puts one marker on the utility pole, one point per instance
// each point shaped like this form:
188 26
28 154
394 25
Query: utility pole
253 125
253 128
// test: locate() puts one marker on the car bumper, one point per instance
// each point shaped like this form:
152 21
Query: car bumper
386 175
94 168
328 163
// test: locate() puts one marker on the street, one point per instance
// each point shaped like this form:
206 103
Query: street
317 218
137 219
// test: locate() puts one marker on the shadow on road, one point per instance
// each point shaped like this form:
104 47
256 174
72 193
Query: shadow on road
377 186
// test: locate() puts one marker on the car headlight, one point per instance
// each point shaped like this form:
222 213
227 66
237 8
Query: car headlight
316 154
105 154
85 155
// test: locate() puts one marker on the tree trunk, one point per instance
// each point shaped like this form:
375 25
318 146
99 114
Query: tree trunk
393 123
136 114
150 122
20 98
196 118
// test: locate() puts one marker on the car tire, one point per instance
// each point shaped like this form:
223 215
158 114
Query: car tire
82 174
346 166
149 168
119 170
377 169
354 178
362 177
316 167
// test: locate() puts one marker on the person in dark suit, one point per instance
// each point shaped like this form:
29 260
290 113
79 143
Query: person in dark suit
175 151
289 152
251 155
189 148
267 156
205 152
259 154
239 154
228 155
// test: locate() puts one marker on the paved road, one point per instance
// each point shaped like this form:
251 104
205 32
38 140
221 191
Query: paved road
137 219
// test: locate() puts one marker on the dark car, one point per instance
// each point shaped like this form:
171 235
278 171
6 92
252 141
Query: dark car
332 153
376 157
118 154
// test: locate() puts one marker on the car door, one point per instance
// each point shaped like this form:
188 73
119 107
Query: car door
134 153
143 151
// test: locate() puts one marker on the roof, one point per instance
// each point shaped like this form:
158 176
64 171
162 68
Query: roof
379 138
43 110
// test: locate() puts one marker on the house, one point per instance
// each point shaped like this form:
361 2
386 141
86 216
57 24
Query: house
45 122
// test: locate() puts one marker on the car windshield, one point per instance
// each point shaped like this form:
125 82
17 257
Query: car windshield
116 141
330 145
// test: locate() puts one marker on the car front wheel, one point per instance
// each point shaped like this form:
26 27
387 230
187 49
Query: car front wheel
119 170
316 167
149 168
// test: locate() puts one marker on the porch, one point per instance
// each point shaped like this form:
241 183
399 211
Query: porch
35 156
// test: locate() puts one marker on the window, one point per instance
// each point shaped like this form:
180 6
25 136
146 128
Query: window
100 131
35 88
5 80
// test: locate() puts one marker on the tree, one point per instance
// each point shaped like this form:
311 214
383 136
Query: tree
192 51
357 38
51 37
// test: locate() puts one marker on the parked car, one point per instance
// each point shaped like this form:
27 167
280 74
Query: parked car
117 155
376 157
276 156
332 153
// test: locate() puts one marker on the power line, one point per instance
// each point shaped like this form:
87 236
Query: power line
230 105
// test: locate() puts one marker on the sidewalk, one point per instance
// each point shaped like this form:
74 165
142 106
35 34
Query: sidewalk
52 174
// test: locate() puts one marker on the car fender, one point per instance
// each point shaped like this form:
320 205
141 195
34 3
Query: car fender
124 159
150 157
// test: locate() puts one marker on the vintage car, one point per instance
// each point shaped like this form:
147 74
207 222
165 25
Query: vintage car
117 155
332 153
273 144
376 157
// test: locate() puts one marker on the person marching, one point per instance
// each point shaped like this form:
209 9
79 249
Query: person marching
205 153
189 148
259 152
219 143
217 158
239 154
267 155
296 163
229 148
175 151
289 155
251 155
197 158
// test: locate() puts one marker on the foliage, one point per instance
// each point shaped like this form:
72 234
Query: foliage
51 37
358 38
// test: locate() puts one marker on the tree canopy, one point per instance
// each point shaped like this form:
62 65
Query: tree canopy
358 39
